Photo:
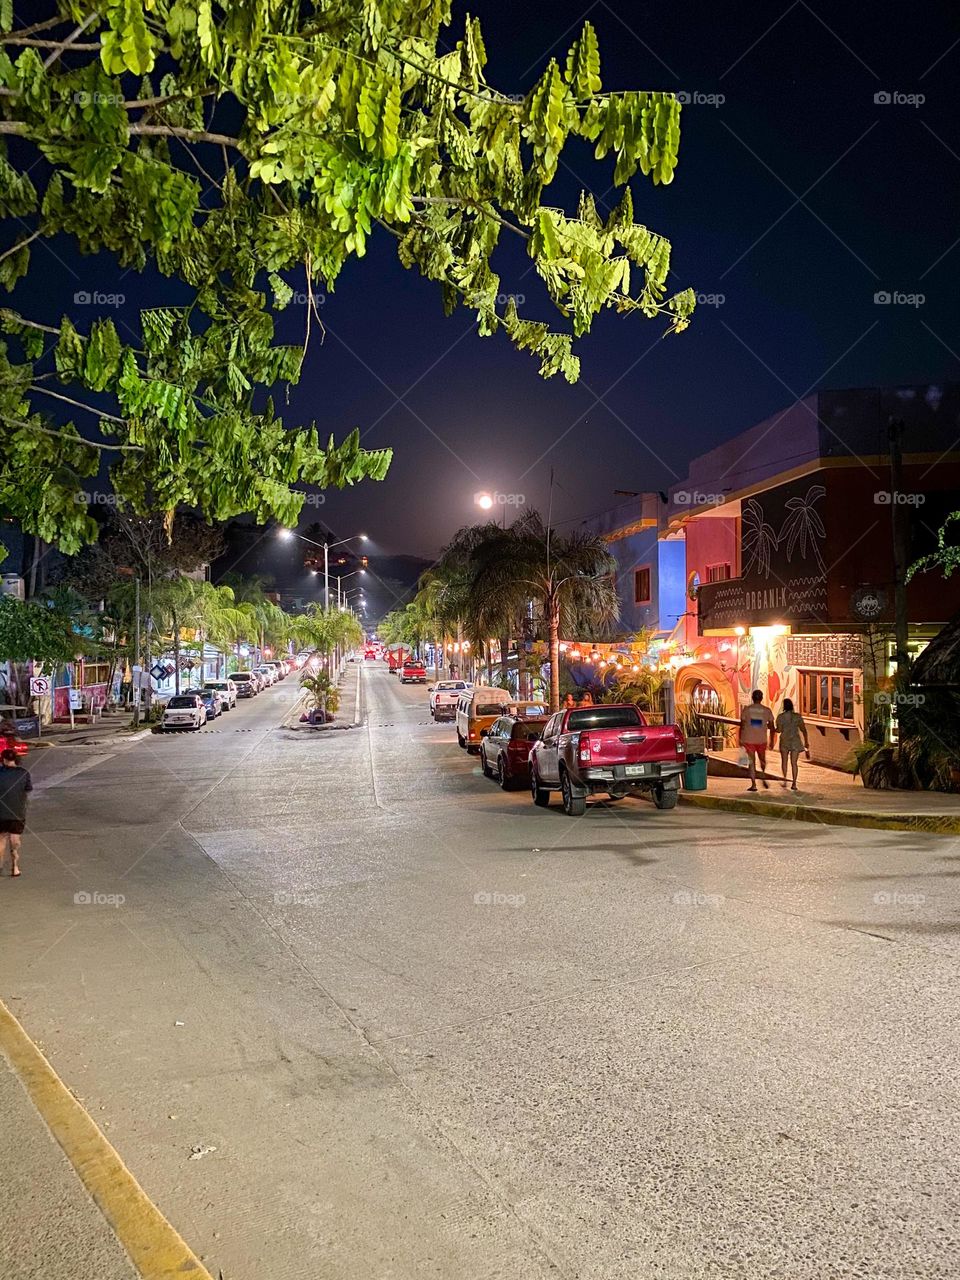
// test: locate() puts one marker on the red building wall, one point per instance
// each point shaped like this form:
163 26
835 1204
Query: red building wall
710 540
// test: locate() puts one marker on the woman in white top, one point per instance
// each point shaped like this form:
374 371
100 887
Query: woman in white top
793 738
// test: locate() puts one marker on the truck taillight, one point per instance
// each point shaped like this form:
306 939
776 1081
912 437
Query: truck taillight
584 751
681 745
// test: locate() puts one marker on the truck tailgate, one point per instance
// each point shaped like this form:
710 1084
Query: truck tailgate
636 745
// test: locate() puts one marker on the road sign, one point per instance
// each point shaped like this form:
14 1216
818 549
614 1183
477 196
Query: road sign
39 686
157 671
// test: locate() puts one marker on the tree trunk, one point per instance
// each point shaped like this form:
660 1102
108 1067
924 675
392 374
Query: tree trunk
523 692
553 625
504 643
437 657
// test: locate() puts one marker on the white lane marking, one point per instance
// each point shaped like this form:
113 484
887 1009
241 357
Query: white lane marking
73 770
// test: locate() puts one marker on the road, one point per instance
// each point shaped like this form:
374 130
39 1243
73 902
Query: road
427 1029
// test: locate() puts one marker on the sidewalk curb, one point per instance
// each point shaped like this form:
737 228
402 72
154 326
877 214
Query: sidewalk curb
941 824
118 738
155 1247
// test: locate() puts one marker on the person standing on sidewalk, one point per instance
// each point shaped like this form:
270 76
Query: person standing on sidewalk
756 726
793 739
14 785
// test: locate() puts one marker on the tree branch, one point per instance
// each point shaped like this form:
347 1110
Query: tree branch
144 130
19 245
51 44
29 31
71 40
462 203
68 439
78 404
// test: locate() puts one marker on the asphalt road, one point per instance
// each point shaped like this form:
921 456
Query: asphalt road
429 1030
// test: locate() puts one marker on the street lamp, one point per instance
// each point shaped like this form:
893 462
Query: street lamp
292 533
342 576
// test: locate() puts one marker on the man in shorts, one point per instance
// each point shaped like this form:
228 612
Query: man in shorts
756 729
14 785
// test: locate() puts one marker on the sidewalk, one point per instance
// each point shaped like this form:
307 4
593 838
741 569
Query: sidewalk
50 1226
826 796
116 727
71 1206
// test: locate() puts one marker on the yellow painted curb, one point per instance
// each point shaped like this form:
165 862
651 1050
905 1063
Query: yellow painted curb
939 824
155 1248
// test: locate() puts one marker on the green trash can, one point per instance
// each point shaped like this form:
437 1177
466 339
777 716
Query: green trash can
695 775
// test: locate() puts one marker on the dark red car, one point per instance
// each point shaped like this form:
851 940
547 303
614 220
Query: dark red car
505 749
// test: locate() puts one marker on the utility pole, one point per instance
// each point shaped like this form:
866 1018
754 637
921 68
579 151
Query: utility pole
900 531
326 575
138 672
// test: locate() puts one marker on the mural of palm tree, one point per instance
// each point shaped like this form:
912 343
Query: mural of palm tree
758 540
803 527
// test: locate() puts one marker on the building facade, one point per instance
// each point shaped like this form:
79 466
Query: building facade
785 577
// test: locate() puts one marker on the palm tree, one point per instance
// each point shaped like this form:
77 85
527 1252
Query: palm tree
569 578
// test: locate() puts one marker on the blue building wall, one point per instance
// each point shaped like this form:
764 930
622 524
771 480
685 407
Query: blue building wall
672 582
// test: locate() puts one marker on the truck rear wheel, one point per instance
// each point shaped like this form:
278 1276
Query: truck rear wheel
574 803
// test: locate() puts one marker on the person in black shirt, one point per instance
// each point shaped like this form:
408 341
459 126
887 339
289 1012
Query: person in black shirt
14 785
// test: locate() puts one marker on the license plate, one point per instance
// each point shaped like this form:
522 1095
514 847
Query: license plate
636 770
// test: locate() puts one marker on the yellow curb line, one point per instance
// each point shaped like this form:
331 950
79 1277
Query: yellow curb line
155 1248
943 824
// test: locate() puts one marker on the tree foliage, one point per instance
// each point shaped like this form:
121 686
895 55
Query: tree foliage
334 119
502 583
35 631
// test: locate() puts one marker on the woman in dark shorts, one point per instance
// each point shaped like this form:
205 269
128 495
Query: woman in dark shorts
14 785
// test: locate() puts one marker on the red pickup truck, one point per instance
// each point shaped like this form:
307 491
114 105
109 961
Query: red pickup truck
608 748
413 672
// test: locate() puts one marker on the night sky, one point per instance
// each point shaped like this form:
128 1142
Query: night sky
796 199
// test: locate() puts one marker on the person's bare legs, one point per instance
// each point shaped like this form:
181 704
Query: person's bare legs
4 844
752 770
14 854
762 757
783 765
795 765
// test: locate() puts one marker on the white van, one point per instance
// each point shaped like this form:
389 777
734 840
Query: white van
476 710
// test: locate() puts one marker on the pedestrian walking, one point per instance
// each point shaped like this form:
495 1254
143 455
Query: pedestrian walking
756 726
14 785
793 739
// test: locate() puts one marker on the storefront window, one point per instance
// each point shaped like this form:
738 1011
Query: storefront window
826 695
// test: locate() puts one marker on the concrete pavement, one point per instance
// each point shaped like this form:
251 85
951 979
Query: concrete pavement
415 1026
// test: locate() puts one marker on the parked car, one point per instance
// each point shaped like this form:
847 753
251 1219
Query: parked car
476 710
280 668
607 748
413 672
505 749
227 691
184 711
444 696
211 700
266 674
248 686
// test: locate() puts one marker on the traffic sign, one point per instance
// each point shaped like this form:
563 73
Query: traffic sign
157 671
39 686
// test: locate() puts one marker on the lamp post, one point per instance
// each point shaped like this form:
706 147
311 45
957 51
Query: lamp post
326 546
